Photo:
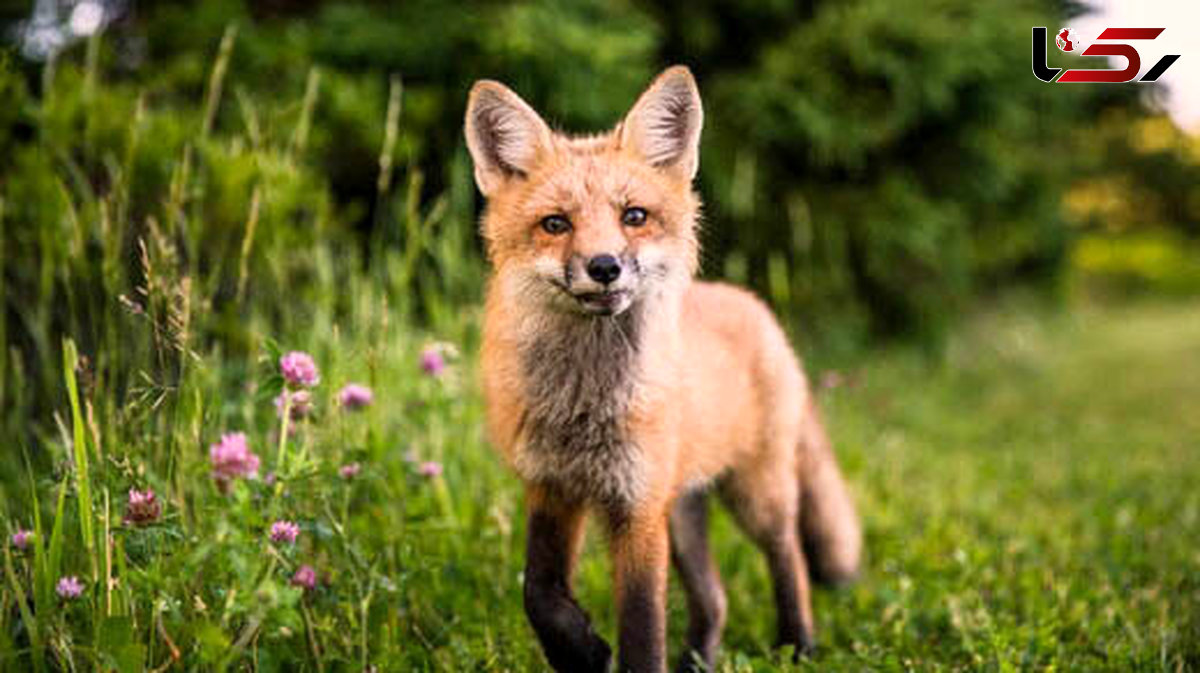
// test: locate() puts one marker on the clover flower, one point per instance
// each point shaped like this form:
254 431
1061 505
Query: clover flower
354 396
301 404
305 577
21 538
284 531
299 369
69 587
142 508
432 362
430 469
232 458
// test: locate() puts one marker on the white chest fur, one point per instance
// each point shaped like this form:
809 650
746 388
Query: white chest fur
580 379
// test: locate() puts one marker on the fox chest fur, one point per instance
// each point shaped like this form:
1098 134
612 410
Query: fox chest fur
579 383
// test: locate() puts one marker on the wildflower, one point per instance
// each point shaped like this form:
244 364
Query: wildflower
20 539
430 469
355 396
284 531
433 360
299 369
143 507
301 403
231 458
305 577
831 379
69 587
349 470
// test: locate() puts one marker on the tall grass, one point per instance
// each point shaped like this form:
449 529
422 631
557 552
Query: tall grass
158 257
147 233
168 254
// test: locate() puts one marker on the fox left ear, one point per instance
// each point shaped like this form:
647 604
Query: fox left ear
504 135
664 125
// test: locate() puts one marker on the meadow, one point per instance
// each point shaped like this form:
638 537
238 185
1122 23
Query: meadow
242 426
1028 504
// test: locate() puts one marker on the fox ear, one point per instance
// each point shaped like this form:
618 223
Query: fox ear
503 133
664 125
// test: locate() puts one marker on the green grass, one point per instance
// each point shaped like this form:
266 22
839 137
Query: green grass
1030 503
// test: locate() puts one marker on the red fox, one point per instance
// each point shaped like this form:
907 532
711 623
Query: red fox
617 384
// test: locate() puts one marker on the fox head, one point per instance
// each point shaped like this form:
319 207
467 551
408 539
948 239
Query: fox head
589 225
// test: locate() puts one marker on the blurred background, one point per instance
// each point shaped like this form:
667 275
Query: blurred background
874 168
188 187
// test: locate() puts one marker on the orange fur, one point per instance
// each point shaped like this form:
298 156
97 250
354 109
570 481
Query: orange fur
660 387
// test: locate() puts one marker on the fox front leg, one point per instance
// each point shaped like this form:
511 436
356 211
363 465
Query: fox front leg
563 628
641 555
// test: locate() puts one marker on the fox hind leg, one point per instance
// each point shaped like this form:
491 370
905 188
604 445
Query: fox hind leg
765 502
705 596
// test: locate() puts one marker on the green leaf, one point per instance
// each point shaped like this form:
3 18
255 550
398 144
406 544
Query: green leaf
117 647
82 474
31 623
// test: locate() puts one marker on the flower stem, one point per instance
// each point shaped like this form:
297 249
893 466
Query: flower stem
281 459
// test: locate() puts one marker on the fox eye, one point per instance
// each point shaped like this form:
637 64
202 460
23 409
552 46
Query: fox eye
555 225
633 217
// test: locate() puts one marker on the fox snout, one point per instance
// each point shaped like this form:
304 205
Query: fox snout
602 283
604 269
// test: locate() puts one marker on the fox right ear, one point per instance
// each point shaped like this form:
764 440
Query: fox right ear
505 136
664 125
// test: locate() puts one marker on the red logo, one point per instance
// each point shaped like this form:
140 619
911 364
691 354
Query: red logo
1068 41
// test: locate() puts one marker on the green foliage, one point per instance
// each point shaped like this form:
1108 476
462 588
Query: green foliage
999 534
209 185
1145 263
870 167
889 152
130 210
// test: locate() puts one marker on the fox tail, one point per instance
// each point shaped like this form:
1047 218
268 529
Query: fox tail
829 524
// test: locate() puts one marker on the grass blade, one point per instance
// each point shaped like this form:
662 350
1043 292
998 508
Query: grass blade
31 624
82 474
41 582
216 80
54 566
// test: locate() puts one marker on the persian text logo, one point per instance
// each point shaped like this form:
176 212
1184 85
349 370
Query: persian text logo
1071 42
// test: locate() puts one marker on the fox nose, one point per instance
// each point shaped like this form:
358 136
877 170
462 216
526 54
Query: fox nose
604 268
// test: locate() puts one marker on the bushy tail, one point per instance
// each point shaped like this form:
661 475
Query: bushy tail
829 524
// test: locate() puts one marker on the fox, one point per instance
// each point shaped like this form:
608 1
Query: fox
619 387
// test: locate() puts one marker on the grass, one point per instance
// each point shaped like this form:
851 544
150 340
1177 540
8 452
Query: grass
1030 504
